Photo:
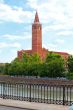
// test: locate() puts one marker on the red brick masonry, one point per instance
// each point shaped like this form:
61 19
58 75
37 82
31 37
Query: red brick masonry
37 42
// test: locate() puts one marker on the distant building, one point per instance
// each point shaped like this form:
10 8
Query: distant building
37 42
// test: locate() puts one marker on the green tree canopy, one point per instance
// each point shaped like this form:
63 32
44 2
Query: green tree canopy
32 65
52 56
70 63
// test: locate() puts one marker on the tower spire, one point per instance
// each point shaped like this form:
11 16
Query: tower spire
36 20
36 35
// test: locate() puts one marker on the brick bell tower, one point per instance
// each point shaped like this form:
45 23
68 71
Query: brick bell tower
37 42
36 36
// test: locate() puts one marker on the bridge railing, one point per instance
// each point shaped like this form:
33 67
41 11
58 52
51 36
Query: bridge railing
36 92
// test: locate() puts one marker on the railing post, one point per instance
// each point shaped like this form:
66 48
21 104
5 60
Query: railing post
30 94
70 95
3 90
63 95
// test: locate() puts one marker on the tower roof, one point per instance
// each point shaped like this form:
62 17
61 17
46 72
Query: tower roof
36 20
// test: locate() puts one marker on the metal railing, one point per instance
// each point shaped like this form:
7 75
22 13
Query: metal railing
43 93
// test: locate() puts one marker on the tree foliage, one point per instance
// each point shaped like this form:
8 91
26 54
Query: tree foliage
70 67
52 56
70 63
32 65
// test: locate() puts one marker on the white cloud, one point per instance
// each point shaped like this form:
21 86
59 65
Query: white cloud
65 33
60 41
7 45
32 3
16 37
61 11
16 45
58 11
56 27
3 45
49 9
14 14
50 46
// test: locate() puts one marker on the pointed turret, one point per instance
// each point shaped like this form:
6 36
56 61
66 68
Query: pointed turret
36 20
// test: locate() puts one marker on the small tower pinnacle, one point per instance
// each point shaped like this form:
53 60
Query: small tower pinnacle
36 20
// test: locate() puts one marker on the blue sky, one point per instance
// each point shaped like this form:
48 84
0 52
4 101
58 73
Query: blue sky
17 16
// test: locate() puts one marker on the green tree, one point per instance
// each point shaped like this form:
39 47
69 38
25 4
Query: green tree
35 58
44 70
56 68
70 63
55 65
2 65
70 67
6 68
25 58
52 56
32 65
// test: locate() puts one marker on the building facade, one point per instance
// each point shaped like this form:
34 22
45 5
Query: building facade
37 42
